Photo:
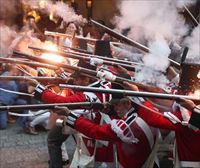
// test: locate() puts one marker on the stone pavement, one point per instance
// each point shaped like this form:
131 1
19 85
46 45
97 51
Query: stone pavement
20 150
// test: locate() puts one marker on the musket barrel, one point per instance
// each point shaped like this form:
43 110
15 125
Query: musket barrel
174 63
86 58
56 34
76 49
130 93
83 71
54 79
76 54
122 37
65 66
82 105
101 57
130 41
195 22
35 64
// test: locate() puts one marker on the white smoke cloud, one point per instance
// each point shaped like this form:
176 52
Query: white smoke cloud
149 18
60 9
156 63
148 76
23 41
158 57
11 40
7 36
182 3
65 12
155 24
125 52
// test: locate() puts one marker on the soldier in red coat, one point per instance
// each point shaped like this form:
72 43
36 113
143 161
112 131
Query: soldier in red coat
185 123
130 140
195 117
187 139
133 137
55 136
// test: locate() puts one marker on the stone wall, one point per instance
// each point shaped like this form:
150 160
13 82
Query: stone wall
102 9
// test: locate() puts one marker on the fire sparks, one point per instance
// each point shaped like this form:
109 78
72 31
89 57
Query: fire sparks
35 15
42 4
197 93
198 75
49 56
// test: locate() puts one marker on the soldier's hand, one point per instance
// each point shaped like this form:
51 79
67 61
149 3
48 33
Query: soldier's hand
188 104
121 70
61 73
32 84
130 86
108 108
60 110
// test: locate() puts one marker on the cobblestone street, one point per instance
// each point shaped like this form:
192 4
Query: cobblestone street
20 150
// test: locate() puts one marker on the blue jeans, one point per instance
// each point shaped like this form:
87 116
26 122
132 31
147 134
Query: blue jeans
22 120
3 119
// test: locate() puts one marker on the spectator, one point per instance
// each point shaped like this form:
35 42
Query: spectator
7 98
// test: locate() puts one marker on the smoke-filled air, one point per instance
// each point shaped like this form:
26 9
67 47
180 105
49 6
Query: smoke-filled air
156 24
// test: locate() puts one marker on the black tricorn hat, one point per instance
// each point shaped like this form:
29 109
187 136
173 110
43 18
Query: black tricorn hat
83 64
117 97
102 48
87 65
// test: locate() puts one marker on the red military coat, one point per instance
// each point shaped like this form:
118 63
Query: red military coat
187 140
130 154
105 152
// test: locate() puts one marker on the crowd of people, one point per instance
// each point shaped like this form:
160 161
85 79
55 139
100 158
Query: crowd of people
125 133
128 125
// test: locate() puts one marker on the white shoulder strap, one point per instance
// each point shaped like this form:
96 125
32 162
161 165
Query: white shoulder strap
106 118
146 129
172 117
153 158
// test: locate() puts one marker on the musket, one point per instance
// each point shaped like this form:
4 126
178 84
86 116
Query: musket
129 41
24 78
121 37
195 22
102 75
100 60
89 55
130 93
32 114
75 49
56 34
90 59
82 105
34 64
64 66
75 55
